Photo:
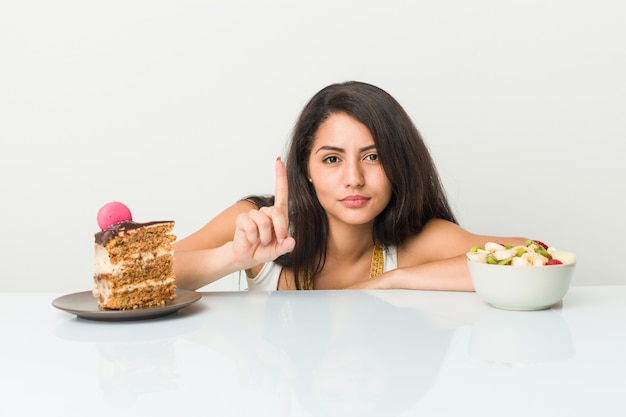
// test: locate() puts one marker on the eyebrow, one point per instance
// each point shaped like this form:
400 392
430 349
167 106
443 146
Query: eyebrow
337 149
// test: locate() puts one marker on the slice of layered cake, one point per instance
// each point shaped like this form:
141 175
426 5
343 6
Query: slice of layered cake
134 261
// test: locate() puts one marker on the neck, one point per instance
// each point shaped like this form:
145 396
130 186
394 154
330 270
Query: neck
350 246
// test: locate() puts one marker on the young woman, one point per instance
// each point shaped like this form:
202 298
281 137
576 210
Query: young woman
358 205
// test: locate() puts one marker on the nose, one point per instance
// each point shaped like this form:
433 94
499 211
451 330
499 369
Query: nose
353 177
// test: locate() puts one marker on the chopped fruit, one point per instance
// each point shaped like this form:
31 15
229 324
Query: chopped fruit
534 253
543 245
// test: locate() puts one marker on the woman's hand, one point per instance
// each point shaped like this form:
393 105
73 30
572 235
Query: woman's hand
262 235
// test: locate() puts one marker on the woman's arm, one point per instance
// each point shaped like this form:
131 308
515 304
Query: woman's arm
449 274
196 268
216 232
241 237
434 259
207 255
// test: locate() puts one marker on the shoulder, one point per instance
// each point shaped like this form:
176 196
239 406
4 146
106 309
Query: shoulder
437 231
258 201
439 239
442 239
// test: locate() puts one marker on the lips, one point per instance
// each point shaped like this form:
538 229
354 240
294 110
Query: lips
355 201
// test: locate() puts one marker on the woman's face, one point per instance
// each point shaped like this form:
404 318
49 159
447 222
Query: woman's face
347 175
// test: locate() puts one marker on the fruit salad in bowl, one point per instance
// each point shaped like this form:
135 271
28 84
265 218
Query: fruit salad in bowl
533 276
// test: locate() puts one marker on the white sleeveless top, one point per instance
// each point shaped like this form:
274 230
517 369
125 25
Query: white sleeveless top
267 278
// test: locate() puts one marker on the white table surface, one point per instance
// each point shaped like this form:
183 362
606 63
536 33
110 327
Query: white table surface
327 353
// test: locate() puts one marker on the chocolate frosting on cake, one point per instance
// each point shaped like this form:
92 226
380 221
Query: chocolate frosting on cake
104 236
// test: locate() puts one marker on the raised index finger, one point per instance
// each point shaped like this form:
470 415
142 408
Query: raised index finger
281 193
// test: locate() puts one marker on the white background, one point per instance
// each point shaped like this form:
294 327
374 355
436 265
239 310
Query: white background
179 108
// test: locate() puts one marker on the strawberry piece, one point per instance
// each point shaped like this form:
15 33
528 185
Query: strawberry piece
554 262
539 242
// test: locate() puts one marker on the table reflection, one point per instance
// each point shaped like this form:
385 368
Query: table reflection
134 357
128 370
331 354
521 338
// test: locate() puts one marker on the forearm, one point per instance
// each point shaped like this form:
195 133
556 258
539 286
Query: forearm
444 275
196 268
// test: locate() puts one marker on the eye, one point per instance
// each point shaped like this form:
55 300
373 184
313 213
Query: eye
372 157
331 159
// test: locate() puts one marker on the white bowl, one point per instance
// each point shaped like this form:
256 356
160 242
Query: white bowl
522 287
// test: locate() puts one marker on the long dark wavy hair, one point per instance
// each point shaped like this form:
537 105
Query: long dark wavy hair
417 194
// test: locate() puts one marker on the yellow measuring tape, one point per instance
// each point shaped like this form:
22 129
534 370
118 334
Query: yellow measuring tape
376 267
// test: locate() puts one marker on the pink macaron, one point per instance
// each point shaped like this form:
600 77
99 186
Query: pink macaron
112 213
